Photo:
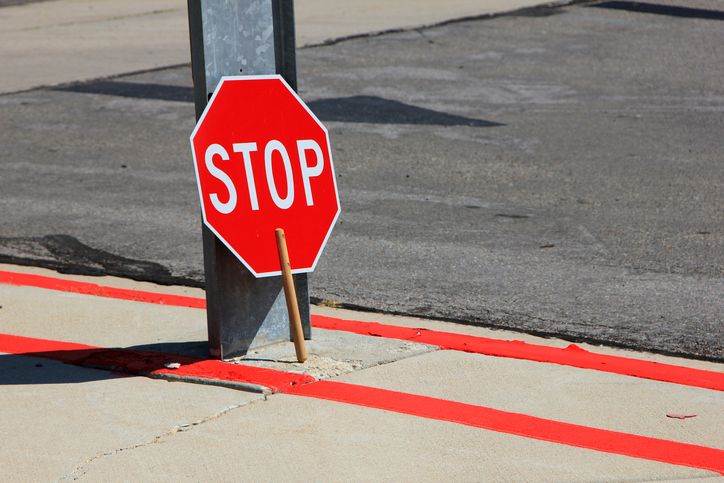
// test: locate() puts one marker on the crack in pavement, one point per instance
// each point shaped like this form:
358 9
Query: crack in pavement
82 468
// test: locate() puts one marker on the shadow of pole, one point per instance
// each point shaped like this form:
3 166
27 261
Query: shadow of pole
71 366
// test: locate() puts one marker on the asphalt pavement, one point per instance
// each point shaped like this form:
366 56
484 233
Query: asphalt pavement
556 171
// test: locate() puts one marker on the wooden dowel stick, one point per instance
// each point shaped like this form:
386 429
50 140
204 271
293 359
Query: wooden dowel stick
290 294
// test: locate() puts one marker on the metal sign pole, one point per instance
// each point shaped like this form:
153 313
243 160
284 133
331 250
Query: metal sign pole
242 37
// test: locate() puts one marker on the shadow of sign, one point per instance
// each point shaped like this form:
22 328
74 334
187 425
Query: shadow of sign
362 109
377 110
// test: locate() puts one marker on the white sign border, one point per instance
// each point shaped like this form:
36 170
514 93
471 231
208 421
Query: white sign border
237 78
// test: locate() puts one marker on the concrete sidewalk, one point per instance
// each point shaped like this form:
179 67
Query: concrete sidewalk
62 422
59 41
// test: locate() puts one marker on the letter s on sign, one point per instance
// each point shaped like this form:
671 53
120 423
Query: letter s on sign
221 207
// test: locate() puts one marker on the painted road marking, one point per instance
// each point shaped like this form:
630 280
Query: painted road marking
87 288
196 370
550 430
572 355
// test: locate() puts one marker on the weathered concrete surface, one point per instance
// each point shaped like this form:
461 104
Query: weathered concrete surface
557 174
302 440
32 312
57 419
334 353
62 423
444 326
49 43
585 397
119 323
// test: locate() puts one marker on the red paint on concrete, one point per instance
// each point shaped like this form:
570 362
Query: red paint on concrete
49 349
626 444
572 355
87 288
150 363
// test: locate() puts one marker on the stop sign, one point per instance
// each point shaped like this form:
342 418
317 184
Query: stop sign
263 162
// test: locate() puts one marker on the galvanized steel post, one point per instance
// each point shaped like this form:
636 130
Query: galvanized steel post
242 37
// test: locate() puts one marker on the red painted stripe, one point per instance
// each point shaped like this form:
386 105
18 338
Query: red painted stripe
572 356
149 363
15 344
519 424
87 288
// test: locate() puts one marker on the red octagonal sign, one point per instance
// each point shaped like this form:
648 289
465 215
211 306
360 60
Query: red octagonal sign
263 162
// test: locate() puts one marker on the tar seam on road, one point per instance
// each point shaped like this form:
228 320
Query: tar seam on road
659 9
572 355
153 364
